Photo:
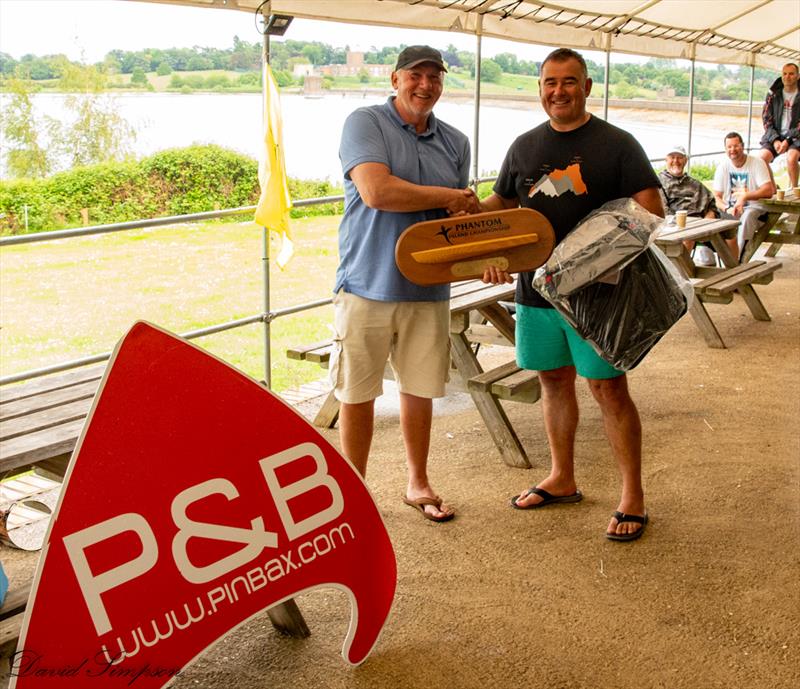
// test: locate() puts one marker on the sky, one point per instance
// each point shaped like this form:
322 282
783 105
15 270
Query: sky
86 30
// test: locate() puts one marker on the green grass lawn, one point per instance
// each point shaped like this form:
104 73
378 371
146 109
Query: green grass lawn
66 299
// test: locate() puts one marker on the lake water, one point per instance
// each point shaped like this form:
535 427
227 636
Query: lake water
312 126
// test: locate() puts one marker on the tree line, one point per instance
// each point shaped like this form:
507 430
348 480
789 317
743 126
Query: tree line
719 82
36 145
170 182
34 142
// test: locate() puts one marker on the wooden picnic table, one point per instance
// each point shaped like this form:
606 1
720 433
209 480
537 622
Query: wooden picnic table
506 382
40 420
470 302
782 225
713 284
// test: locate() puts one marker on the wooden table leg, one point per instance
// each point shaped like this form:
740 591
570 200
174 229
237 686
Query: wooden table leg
748 293
504 436
761 235
328 413
501 319
753 303
287 618
724 252
681 260
706 325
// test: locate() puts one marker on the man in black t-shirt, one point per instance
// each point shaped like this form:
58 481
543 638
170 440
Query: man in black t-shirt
565 168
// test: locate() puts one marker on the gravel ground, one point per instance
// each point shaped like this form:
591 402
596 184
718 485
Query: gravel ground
707 598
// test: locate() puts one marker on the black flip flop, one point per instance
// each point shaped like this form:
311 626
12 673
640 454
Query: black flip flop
621 518
547 498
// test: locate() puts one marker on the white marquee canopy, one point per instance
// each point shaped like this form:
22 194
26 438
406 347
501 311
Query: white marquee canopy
761 33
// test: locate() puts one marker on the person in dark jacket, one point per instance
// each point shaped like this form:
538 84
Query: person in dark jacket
781 116
681 192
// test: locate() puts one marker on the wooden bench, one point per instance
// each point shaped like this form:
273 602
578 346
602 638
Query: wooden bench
12 613
508 382
518 389
718 285
721 286
782 225
319 353
40 420
478 314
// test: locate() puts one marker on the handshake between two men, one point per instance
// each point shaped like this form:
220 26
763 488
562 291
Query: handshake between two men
466 202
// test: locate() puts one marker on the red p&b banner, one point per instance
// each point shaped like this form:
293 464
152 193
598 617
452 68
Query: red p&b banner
195 500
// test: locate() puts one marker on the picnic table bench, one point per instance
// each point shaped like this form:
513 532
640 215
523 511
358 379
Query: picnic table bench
782 225
11 614
713 284
40 420
506 382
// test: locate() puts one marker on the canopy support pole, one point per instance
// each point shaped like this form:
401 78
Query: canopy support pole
606 81
265 57
477 119
750 104
691 113
286 617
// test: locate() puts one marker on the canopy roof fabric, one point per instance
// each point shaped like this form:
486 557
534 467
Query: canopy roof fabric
764 33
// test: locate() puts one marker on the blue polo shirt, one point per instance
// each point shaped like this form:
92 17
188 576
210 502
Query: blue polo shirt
367 237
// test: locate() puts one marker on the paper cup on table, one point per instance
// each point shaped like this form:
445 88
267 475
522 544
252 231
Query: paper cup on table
779 194
680 218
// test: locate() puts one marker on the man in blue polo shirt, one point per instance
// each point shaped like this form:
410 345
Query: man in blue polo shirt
401 166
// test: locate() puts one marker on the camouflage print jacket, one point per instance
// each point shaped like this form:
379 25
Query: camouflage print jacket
686 194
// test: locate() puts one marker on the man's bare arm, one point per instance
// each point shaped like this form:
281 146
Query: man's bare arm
720 201
381 190
763 192
650 199
495 202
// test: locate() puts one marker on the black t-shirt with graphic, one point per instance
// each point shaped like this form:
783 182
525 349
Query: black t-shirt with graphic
566 175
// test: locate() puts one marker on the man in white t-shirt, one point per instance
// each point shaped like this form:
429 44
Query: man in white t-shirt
740 179
781 116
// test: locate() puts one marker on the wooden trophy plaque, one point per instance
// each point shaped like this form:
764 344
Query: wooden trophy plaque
436 252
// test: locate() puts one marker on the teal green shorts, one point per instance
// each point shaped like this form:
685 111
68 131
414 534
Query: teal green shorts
546 341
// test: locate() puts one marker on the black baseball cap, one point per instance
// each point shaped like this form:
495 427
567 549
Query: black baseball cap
417 54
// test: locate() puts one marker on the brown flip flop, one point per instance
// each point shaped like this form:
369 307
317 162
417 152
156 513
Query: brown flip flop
419 504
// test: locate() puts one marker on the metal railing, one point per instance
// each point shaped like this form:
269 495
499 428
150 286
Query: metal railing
266 317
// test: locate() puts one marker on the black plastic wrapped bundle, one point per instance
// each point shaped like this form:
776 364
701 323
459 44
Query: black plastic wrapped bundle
622 321
602 243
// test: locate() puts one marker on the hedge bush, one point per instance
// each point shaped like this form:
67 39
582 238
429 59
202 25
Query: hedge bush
703 171
171 182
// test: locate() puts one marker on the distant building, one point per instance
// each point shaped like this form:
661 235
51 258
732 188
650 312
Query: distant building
352 68
302 70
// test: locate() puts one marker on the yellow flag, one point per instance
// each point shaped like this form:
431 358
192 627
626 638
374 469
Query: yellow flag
274 203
